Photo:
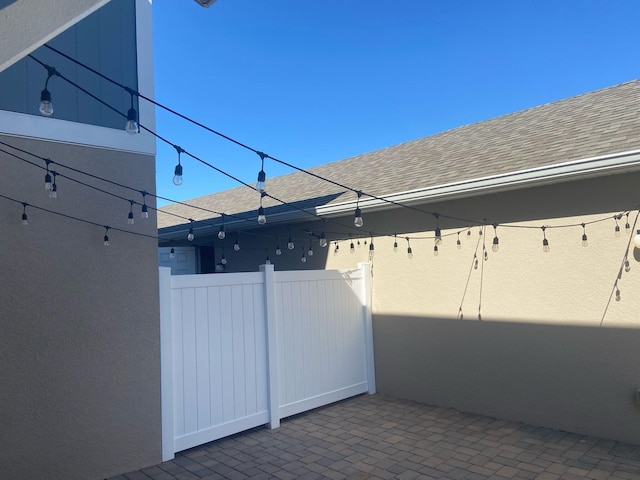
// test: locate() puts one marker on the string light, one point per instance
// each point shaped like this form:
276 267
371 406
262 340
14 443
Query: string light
262 219
357 220
25 219
130 217
53 193
105 239
323 236
177 172
438 233
475 261
371 247
278 250
435 251
409 250
236 245
485 254
617 293
627 265
221 232
395 242
585 241
627 227
458 242
290 244
496 243
337 247
223 260
303 259
352 247
144 213
260 184
131 127
310 252
47 177
46 106
172 253
191 236
545 242
617 228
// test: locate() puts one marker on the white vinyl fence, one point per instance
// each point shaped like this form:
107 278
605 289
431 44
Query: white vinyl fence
241 350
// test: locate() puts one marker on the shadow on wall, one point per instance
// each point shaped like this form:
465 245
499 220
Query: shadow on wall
576 378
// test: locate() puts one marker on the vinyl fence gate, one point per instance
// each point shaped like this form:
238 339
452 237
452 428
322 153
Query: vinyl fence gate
239 350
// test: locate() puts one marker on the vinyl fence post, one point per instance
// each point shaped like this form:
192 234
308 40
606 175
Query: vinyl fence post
368 325
272 345
166 364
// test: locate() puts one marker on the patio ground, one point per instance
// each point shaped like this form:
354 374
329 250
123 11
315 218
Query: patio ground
372 437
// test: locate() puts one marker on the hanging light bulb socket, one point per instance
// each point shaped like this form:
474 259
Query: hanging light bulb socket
172 253
262 219
177 172
357 219
496 242
585 240
46 106
130 220
262 176
25 219
144 213
105 239
372 251
438 232
290 244
395 242
53 193
190 235
545 242
131 127
47 177
221 232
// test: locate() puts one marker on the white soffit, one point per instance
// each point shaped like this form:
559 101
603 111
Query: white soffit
26 25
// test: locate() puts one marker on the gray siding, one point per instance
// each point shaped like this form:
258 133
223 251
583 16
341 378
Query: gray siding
105 41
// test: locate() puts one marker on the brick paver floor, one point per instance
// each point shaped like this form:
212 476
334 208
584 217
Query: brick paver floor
377 437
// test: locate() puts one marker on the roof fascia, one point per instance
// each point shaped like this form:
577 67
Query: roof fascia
560 172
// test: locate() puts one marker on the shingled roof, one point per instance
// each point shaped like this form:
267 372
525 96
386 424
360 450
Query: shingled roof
600 123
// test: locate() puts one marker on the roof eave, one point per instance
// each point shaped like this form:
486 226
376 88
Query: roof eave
561 172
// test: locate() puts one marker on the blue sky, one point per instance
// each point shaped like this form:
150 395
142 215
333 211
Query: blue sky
313 82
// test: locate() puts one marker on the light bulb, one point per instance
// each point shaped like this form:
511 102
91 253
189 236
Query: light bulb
310 252
486 256
290 244
260 184
54 191
372 252
617 230
475 263
25 220
459 243
46 107
221 233
267 261
636 239
323 240
47 181
496 245
278 251
130 218
177 175
435 250
223 260
236 246
545 245
191 236
352 248
409 252
172 253
617 294
585 242
106 241
438 236
303 259
145 211
627 266
131 126
262 219
395 246
357 220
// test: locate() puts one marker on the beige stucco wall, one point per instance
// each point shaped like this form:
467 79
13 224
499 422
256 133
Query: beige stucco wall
539 354
79 349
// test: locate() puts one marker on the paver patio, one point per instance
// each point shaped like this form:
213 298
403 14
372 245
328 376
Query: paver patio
371 437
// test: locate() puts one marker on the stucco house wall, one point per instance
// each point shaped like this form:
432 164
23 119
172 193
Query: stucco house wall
80 345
